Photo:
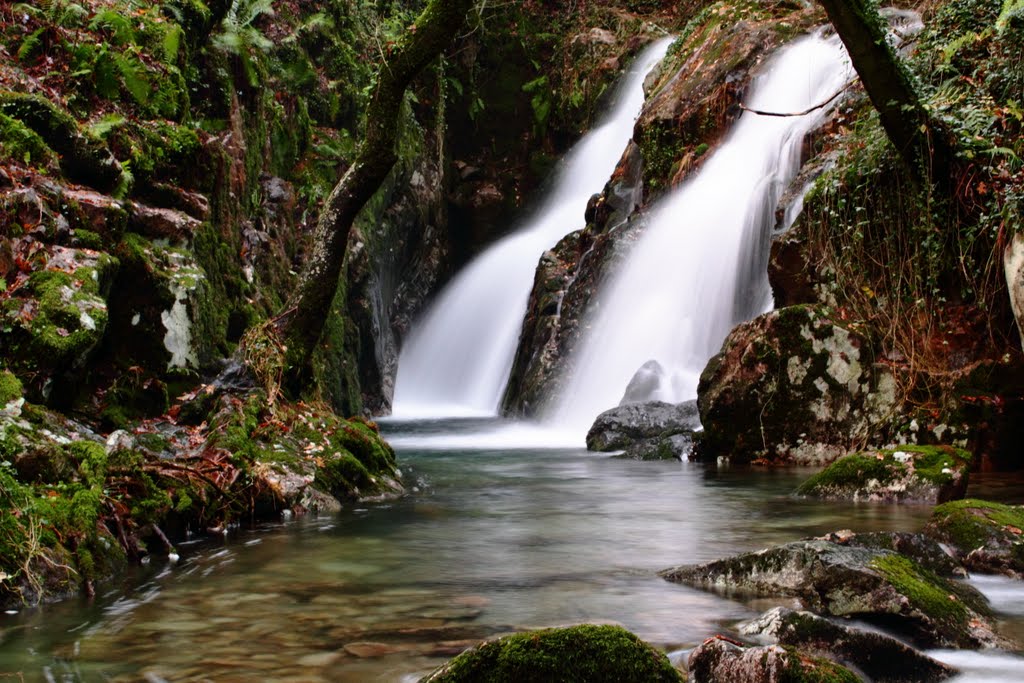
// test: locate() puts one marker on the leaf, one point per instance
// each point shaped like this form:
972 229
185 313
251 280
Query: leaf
172 43
134 76
32 43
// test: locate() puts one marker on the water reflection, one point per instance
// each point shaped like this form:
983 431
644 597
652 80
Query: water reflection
495 540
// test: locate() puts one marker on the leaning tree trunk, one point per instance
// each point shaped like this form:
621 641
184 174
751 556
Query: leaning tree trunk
920 140
301 326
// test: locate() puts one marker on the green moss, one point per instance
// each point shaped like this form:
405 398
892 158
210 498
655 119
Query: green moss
803 668
578 653
343 475
971 523
848 471
10 387
926 591
92 461
19 142
930 461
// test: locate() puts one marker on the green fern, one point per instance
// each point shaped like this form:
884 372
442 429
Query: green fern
104 75
171 43
134 76
116 24
31 45
105 126
1009 7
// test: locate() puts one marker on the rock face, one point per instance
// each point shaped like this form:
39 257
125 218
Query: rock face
882 658
646 431
987 537
718 660
794 385
910 474
875 585
577 653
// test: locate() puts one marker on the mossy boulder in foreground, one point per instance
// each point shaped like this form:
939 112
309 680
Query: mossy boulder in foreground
718 660
928 474
586 652
875 585
987 537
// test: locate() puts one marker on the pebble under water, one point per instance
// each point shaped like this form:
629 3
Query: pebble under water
489 540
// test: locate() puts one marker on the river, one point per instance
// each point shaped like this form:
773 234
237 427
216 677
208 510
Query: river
489 539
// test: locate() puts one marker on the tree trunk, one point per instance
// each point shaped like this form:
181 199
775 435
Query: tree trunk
301 326
919 139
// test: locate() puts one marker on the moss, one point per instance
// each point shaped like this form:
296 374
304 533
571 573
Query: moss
10 387
971 523
802 668
92 461
930 461
847 471
343 476
364 442
928 593
19 142
578 653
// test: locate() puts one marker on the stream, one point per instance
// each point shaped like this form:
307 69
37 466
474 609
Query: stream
490 539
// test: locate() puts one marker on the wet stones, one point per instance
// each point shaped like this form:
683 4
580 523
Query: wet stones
719 659
987 537
646 431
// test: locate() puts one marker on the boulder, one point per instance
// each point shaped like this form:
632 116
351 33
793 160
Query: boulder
909 474
878 586
645 384
926 551
882 658
987 537
718 660
794 385
626 425
577 653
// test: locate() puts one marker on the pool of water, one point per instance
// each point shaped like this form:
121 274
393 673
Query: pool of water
503 536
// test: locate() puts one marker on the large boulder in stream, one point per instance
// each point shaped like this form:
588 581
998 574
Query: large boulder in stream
910 474
882 658
794 385
586 652
876 585
646 431
987 537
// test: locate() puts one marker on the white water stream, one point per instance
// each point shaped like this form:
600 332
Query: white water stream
457 359
700 266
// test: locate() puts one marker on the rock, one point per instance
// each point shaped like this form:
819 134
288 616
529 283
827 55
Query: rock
578 653
674 447
924 550
910 474
623 426
875 585
987 537
718 660
54 322
174 226
882 658
645 384
794 385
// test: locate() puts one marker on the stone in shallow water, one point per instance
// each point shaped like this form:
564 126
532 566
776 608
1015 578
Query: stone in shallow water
371 649
718 660
625 426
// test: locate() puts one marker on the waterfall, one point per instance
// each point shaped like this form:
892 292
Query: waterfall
700 266
457 359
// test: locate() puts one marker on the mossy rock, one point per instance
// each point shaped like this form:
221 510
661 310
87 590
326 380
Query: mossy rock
930 474
578 653
987 537
10 388
717 660
875 585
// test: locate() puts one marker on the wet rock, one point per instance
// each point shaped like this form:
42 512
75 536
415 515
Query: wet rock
623 426
585 653
875 585
882 658
794 385
924 550
987 537
718 660
674 447
645 383
910 474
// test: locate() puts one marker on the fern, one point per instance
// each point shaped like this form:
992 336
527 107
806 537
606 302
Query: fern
31 45
171 43
134 76
1009 7
102 128
104 75
119 26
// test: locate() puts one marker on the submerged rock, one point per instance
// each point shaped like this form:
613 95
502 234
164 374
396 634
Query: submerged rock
578 653
987 537
794 385
882 658
876 585
918 474
718 660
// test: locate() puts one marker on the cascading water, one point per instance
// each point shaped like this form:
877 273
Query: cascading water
457 359
700 266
